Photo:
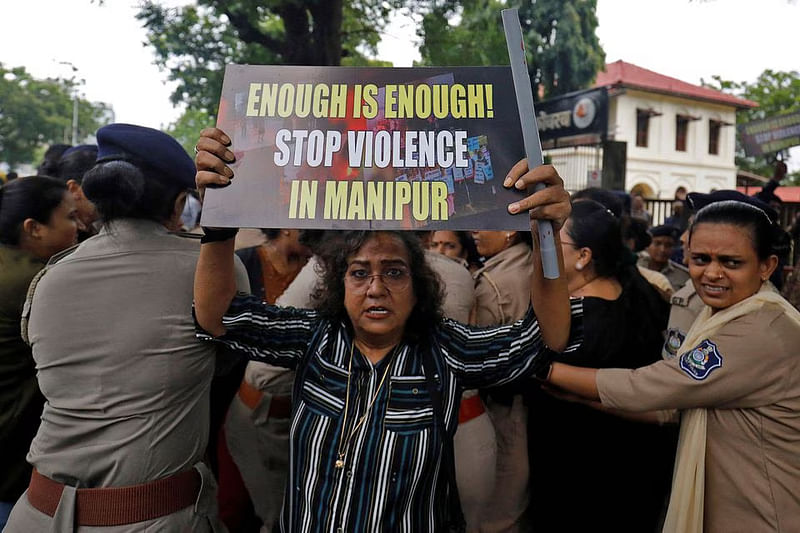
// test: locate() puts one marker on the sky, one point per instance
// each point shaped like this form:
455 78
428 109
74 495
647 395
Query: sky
686 39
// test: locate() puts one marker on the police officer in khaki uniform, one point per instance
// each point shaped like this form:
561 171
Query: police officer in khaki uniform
37 220
126 381
685 303
736 383
474 443
257 423
657 255
752 456
501 293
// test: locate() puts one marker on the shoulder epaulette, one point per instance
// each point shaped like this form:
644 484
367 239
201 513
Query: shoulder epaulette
682 296
26 308
55 258
678 266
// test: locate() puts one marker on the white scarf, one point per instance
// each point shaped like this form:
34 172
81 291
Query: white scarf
685 513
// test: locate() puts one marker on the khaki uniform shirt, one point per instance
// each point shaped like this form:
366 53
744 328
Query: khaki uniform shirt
503 286
297 294
459 288
675 273
658 280
685 305
126 380
750 384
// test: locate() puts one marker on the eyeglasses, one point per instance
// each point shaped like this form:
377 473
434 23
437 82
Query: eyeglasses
395 279
570 244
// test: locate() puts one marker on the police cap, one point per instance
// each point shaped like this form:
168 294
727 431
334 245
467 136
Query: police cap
665 231
148 147
698 200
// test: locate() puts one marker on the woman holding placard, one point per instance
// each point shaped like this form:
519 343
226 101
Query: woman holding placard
379 372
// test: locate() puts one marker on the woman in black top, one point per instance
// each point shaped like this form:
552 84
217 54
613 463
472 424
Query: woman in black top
618 471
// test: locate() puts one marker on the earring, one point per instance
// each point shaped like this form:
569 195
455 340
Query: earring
578 266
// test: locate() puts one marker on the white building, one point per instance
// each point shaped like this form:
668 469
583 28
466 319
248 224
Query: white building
677 134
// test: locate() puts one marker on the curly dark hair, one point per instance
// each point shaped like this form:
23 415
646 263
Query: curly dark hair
329 292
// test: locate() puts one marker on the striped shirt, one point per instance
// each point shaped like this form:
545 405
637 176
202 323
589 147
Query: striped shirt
393 478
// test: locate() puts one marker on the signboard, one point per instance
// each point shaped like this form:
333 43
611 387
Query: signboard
593 178
576 116
771 134
368 148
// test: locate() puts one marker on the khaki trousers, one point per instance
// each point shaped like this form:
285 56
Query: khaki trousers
475 449
259 445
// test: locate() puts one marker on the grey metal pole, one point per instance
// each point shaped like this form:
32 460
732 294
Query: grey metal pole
530 130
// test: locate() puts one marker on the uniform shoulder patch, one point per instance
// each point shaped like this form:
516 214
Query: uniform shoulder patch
700 361
672 344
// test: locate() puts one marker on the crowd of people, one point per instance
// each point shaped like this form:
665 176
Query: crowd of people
313 380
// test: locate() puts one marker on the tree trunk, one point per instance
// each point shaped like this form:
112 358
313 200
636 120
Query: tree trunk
327 19
297 47
313 33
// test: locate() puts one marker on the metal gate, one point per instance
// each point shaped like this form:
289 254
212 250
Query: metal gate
590 165
576 164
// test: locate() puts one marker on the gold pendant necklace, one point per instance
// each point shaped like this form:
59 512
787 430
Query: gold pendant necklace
344 444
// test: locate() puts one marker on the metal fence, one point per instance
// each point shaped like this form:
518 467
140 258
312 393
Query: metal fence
788 213
575 163
659 209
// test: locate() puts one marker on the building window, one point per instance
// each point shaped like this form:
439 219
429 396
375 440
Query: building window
681 132
642 126
714 127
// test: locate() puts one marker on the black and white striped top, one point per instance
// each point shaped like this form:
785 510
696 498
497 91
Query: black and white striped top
394 478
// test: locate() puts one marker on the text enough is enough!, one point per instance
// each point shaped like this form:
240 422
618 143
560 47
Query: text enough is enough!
371 200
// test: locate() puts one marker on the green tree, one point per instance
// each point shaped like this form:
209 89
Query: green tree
776 93
188 127
477 39
196 41
564 54
35 112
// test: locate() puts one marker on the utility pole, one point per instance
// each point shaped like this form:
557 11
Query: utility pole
74 101
75 119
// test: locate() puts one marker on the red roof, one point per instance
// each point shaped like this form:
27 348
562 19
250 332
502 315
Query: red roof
787 194
630 75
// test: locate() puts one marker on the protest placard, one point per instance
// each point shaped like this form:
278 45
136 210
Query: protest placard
771 134
368 148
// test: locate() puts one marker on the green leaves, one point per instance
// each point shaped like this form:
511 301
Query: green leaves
35 112
564 53
776 93
476 39
194 42
188 127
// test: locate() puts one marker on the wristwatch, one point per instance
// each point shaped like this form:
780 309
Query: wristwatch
218 234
